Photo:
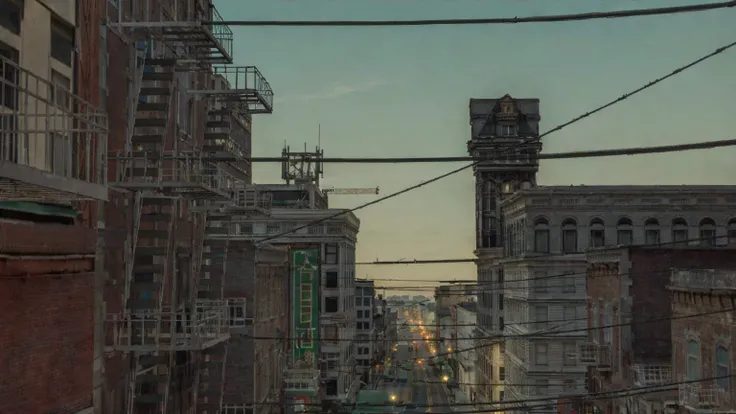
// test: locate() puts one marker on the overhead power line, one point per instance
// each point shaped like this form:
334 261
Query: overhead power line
660 149
499 20
528 140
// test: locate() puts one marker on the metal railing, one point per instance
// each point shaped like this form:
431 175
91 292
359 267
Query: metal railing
700 396
200 327
252 198
591 353
708 279
645 375
46 128
244 84
301 379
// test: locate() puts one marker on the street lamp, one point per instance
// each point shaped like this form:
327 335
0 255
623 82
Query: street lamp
445 378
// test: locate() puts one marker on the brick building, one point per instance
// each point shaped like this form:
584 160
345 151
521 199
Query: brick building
51 184
703 343
627 286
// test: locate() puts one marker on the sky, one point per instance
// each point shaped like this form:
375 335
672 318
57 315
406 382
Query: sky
404 91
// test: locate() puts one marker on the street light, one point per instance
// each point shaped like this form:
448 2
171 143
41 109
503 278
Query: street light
445 378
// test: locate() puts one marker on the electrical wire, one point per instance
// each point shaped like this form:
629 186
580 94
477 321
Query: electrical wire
665 318
660 149
501 20
526 141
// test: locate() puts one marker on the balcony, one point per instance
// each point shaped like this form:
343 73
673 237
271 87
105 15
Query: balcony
244 89
697 396
185 175
52 143
594 354
703 279
301 380
648 375
202 35
190 329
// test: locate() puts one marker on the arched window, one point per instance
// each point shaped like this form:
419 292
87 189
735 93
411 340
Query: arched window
723 367
597 233
541 235
651 231
679 232
707 235
569 236
693 360
624 232
732 231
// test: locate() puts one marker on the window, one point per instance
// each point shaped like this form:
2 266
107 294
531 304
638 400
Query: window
331 253
679 232
59 93
500 323
541 235
331 280
568 312
11 16
541 386
367 314
707 232
693 360
358 301
568 384
723 367
501 373
541 317
597 233
568 283
569 236
569 351
732 231
625 232
651 231
366 301
507 130
500 301
62 42
500 396
104 63
331 304
360 314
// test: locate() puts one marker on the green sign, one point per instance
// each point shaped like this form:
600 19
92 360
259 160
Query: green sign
305 296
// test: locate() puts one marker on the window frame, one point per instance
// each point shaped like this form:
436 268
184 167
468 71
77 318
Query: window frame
692 360
62 31
722 368
332 253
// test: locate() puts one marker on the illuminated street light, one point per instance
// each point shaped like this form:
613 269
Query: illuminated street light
445 378
393 397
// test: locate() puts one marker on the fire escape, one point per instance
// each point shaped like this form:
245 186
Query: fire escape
172 331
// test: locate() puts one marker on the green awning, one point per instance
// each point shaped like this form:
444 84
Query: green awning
40 209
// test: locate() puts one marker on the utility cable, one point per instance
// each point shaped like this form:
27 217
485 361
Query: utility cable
556 333
660 149
501 20
526 141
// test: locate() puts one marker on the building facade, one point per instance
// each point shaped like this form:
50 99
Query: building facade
332 307
628 286
464 318
53 133
703 339
505 131
365 328
546 231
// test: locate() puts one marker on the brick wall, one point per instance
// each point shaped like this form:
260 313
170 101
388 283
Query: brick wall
46 343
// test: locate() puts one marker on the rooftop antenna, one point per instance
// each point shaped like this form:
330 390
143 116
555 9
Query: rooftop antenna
319 135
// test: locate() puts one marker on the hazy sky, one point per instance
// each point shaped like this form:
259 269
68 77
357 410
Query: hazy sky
403 91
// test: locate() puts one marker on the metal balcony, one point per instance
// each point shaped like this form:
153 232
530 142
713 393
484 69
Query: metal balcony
52 143
212 43
697 396
241 88
299 380
187 175
645 375
594 354
192 329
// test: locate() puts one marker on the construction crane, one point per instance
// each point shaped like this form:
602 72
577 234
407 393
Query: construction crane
350 191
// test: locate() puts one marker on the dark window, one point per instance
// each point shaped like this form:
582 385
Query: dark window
331 304
62 42
331 253
11 16
331 279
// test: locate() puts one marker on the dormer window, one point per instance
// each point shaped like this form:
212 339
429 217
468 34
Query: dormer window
507 108
508 130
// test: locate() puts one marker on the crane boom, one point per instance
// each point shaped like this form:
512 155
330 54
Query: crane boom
350 191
